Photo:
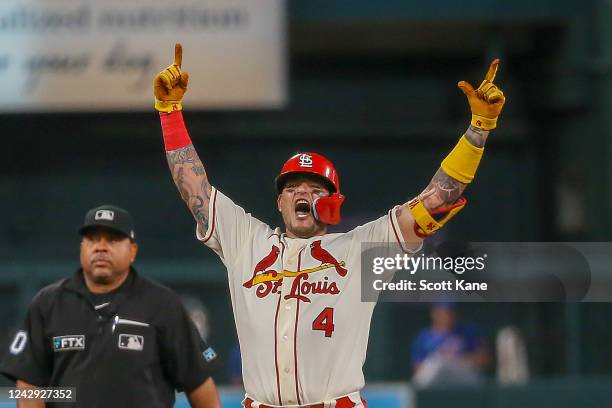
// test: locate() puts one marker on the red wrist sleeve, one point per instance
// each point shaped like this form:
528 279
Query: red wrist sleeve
174 131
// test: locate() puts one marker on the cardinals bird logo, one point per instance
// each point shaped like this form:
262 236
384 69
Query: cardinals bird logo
263 265
320 254
270 281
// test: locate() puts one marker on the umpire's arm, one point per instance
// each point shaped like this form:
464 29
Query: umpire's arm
186 168
22 385
442 198
205 396
29 362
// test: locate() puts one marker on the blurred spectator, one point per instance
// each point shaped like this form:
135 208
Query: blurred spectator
512 366
235 365
199 315
449 351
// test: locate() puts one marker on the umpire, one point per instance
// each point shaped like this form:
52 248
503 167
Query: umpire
120 339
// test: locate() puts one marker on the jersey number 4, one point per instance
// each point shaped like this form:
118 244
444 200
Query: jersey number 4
325 321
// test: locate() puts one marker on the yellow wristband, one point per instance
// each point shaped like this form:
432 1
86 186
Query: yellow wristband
424 222
168 106
483 123
462 162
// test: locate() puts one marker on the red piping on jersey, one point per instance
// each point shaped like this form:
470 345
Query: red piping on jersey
297 316
297 388
212 226
282 244
280 401
401 244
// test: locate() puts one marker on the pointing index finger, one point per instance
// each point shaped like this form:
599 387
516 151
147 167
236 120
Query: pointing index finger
178 54
492 70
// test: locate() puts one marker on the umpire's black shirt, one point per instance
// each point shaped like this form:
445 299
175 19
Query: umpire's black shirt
132 348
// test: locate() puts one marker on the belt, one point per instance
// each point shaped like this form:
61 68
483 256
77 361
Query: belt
343 402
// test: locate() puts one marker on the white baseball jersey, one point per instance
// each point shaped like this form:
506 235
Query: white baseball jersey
302 326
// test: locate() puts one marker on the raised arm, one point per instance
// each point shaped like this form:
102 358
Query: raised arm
442 198
185 166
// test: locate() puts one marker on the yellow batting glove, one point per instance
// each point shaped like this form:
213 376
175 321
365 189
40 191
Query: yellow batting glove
486 102
170 85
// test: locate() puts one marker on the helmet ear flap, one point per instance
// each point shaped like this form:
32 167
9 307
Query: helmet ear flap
327 209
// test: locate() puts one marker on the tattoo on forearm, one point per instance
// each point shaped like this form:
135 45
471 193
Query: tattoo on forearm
184 155
442 191
200 211
199 170
476 136
191 180
181 185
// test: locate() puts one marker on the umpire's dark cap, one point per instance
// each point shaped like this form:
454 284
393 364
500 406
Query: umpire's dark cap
111 217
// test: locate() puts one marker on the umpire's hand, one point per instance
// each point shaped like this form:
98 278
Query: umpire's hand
170 85
487 101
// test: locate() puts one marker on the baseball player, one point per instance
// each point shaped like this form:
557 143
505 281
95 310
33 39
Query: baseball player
295 293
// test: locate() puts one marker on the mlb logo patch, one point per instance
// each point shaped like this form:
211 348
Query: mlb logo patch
66 343
131 342
105 215
209 354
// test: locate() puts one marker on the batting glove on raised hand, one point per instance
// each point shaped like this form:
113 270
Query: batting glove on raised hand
170 85
487 101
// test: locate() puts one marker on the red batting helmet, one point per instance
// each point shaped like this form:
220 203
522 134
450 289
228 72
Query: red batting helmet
325 209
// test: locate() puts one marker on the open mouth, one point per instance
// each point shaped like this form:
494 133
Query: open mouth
302 208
